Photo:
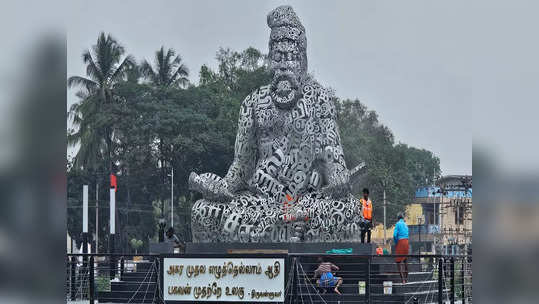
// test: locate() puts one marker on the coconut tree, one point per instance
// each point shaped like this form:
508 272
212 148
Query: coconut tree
106 66
168 69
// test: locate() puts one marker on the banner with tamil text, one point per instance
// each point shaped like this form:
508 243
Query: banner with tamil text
223 279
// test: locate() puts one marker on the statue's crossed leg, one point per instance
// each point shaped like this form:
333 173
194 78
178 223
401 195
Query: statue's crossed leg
253 219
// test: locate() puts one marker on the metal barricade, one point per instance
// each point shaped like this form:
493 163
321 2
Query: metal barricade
364 279
378 279
113 278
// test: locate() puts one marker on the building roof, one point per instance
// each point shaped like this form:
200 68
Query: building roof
452 186
455 182
434 191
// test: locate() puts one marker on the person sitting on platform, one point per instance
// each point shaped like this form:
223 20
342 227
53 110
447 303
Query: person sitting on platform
366 204
327 279
400 236
172 238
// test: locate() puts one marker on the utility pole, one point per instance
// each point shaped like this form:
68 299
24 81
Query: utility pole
172 198
84 218
440 210
434 205
384 215
96 217
433 194
442 233
112 232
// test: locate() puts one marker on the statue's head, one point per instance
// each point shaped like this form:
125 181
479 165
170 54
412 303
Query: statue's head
287 55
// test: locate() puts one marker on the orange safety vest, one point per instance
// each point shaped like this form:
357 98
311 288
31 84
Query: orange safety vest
367 209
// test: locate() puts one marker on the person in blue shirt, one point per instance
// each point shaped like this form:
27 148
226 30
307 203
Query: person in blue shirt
402 247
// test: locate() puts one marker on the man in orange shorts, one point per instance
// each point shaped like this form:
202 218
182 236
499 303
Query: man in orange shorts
400 236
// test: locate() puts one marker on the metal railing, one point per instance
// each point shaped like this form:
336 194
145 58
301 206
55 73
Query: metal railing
132 278
117 278
376 279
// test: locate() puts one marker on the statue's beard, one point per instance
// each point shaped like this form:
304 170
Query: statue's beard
285 89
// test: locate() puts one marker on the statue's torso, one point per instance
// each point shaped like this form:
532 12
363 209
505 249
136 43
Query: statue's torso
288 142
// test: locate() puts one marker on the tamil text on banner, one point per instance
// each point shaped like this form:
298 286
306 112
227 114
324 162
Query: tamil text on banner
223 279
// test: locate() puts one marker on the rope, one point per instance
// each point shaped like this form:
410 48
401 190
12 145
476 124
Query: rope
420 285
446 279
308 280
431 293
310 283
144 280
157 275
300 291
148 284
84 277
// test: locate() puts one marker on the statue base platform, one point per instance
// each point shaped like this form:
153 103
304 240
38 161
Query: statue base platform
158 248
277 248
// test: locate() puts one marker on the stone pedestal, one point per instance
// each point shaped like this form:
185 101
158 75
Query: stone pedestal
158 248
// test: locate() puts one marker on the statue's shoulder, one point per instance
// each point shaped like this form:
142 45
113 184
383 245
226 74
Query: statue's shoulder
324 101
263 91
326 95
313 88
260 94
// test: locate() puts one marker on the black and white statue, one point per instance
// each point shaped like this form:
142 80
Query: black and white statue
288 181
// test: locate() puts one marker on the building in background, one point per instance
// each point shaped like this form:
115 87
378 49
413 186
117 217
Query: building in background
446 223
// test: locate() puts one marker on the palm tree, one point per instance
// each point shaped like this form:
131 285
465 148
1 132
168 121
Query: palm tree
106 66
168 71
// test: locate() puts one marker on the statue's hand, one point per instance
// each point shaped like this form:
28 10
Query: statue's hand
357 173
211 186
338 187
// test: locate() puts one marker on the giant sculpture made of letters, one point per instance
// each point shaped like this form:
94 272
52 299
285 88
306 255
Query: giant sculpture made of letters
288 181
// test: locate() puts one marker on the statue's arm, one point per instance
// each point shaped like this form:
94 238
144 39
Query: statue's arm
244 162
336 173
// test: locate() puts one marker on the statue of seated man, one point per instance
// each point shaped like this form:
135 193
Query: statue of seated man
288 181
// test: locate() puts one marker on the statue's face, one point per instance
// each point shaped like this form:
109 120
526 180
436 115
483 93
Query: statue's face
286 67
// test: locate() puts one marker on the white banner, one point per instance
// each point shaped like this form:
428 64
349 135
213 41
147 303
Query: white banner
223 279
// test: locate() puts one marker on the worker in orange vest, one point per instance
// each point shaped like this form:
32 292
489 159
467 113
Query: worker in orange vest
366 205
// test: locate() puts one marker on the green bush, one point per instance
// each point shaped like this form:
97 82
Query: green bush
103 283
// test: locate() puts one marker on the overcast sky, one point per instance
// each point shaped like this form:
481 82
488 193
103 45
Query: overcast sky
407 60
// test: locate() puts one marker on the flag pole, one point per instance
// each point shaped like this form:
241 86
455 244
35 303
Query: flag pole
84 218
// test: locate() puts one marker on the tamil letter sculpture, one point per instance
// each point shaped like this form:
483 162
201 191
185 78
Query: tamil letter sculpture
288 181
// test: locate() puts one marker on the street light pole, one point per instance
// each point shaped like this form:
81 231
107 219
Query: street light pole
385 216
96 217
420 224
84 218
172 199
441 209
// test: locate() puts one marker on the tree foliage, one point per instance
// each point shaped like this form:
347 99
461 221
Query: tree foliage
396 168
168 70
